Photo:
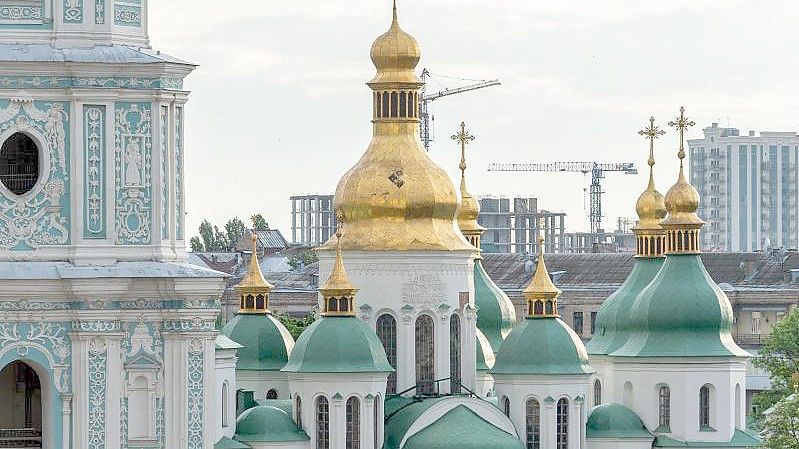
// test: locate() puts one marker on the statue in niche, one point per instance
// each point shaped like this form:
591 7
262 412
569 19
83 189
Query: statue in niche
133 161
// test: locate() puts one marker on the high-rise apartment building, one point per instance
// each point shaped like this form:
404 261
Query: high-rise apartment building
512 226
312 219
748 185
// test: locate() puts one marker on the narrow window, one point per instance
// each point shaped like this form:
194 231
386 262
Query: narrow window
394 102
353 437
455 353
298 406
411 97
322 423
403 105
259 302
271 394
704 407
387 332
19 163
250 304
550 308
539 308
593 323
664 407
562 424
578 322
224 404
384 109
378 421
533 424
506 406
425 356
597 392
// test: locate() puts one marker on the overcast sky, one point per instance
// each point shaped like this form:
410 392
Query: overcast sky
279 106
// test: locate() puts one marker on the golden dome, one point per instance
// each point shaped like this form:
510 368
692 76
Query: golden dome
682 202
541 286
254 280
395 54
651 206
338 283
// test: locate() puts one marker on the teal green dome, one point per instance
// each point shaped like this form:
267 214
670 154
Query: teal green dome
542 346
681 313
613 318
485 354
338 345
267 343
265 423
615 421
496 315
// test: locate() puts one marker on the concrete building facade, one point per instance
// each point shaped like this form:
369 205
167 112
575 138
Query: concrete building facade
312 219
512 226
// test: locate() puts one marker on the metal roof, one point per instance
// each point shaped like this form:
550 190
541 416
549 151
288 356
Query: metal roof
106 54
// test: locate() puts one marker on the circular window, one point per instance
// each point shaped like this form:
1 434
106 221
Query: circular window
19 163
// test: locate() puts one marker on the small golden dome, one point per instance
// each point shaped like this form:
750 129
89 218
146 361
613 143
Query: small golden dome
469 209
254 280
541 286
395 54
682 202
650 207
338 283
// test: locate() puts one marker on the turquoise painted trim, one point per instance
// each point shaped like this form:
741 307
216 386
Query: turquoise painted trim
179 173
106 82
133 166
195 401
139 304
164 172
24 16
97 393
94 221
99 12
73 11
127 13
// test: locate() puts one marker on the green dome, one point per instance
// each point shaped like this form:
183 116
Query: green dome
267 424
542 346
267 343
485 354
496 315
613 318
338 345
681 313
615 421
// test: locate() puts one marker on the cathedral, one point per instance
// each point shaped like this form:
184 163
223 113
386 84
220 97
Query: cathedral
108 337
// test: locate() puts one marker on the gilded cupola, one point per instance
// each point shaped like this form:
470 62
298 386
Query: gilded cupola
395 198
253 289
338 293
541 294
682 201
469 209
650 207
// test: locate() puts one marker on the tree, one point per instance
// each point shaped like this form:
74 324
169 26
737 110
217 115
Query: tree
196 245
303 259
235 230
259 223
780 357
295 326
782 424
207 235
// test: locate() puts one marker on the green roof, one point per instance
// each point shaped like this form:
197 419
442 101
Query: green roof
613 318
462 428
485 354
267 343
681 313
227 443
265 423
222 342
739 439
282 404
338 345
542 346
496 314
615 421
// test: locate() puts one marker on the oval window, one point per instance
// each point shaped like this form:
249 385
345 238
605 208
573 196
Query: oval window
19 163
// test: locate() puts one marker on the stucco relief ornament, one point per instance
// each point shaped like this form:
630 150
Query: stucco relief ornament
425 289
133 140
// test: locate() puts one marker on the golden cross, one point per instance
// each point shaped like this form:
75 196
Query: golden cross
652 132
463 138
682 123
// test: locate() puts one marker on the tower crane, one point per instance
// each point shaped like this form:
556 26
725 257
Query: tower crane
425 118
596 169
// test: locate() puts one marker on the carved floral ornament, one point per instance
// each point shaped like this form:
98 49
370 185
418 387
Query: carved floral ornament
48 338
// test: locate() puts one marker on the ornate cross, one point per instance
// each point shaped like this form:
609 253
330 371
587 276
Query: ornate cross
682 123
651 132
463 138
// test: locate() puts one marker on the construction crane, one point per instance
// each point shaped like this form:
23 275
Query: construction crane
597 171
426 120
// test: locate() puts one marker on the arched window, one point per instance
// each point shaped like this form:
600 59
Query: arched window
539 308
664 407
322 423
455 353
378 421
19 163
550 308
224 404
704 407
394 104
20 380
250 303
425 356
597 392
627 395
259 302
271 394
332 305
298 411
533 424
738 415
562 424
506 406
384 109
353 436
387 332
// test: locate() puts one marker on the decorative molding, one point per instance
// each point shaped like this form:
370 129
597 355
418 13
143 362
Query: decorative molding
94 121
50 338
423 288
73 11
97 392
24 304
127 13
133 154
382 269
98 326
99 12
179 173
40 217
64 82
22 12
195 394
164 139
195 324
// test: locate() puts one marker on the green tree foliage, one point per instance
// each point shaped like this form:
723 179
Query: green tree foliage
259 222
196 244
295 326
234 230
782 425
302 259
213 239
780 357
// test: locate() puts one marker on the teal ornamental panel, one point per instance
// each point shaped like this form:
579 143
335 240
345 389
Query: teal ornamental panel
99 12
179 173
94 217
195 394
24 14
128 13
97 393
73 11
41 216
133 183
164 172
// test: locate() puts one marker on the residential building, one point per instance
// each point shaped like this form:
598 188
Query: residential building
313 220
748 185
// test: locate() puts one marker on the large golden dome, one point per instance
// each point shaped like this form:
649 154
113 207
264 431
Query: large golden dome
682 202
395 197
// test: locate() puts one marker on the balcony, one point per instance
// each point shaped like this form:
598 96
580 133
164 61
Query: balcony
749 339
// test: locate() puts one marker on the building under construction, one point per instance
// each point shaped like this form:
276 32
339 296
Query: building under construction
513 224
312 219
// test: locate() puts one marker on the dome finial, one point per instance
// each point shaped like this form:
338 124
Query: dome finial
469 209
650 207
254 289
541 294
338 293
394 20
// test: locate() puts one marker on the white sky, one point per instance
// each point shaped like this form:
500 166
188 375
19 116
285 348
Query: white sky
279 105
